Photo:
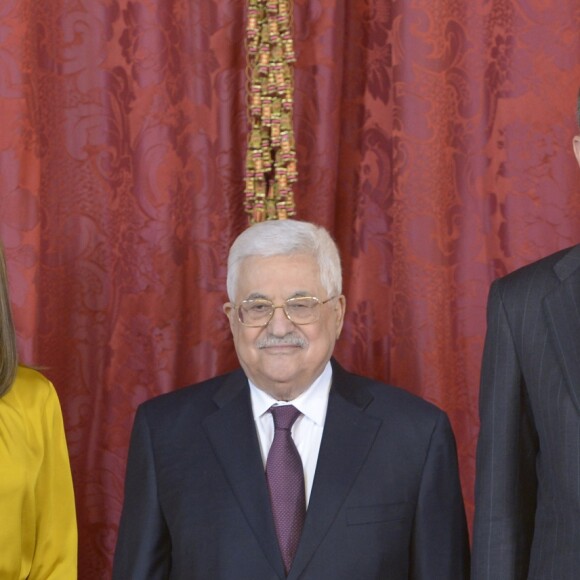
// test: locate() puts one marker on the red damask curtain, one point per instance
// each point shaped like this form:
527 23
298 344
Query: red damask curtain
433 140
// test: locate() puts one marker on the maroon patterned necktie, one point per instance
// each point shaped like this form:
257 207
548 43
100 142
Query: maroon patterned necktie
286 483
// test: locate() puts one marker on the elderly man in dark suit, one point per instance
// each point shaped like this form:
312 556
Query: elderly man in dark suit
527 495
290 467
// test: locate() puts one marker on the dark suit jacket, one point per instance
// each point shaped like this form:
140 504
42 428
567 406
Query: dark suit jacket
385 503
527 519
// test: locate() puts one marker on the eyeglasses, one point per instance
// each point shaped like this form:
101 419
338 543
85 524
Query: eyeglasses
299 310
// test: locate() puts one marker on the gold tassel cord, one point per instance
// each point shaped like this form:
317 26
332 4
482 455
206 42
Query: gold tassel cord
271 169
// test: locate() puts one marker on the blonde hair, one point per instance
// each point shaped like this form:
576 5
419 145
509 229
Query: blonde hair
8 353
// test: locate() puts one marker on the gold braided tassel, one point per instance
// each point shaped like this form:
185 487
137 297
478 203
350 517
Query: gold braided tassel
271 168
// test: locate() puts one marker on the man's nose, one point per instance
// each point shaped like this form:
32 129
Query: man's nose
279 324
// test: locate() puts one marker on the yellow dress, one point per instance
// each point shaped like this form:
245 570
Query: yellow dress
38 531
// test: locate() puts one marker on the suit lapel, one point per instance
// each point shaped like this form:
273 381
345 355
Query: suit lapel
562 307
233 436
348 436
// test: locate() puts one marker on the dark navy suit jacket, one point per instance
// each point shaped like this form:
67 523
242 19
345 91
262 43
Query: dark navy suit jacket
385 504
527 517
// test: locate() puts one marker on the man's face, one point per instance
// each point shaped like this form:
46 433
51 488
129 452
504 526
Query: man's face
283 358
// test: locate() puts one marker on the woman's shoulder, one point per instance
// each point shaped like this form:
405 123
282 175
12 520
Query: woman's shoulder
30 387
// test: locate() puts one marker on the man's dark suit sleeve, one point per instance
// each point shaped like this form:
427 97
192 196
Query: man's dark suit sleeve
143 546
505 488
440 547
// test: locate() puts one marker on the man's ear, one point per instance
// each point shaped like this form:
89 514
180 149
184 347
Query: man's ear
340 309
576 145
229 311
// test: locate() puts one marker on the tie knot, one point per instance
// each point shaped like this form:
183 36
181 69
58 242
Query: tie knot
284 416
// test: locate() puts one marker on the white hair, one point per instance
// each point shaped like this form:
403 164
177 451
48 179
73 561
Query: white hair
285 238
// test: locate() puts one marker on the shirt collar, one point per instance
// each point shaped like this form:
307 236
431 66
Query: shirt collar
312 403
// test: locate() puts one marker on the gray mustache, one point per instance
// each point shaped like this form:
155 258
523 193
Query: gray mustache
289 340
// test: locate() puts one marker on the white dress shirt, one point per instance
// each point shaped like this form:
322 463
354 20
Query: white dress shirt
308 428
